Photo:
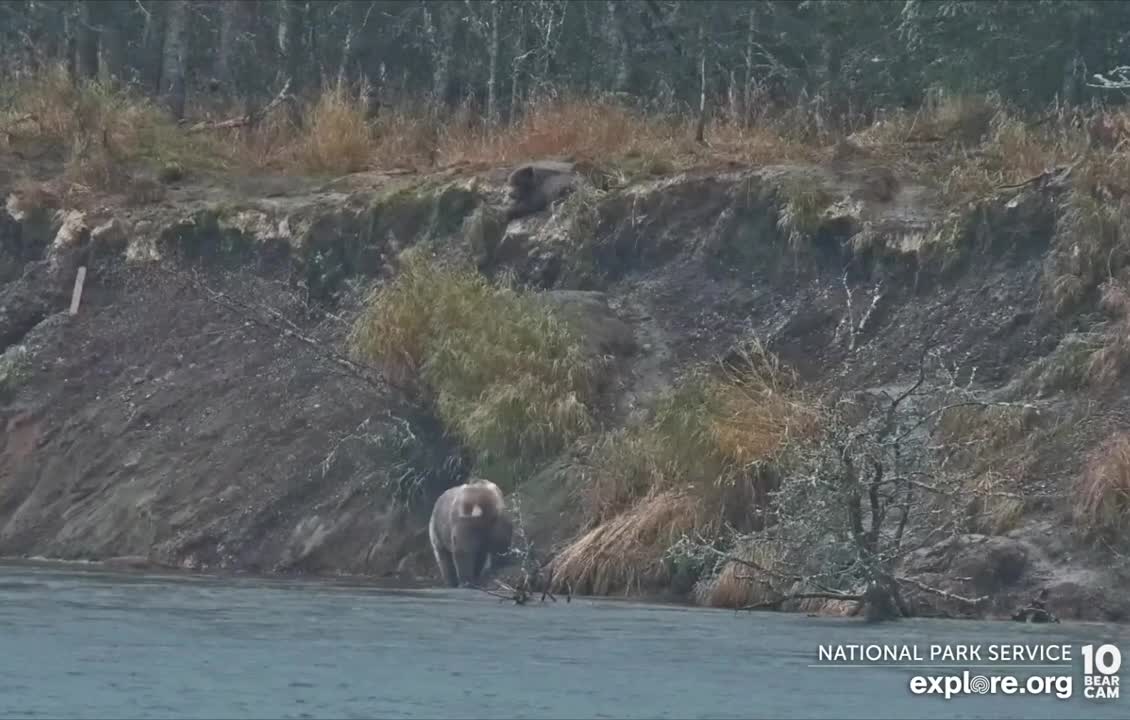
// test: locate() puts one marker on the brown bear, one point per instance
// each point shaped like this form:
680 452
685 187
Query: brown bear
535 186
469 525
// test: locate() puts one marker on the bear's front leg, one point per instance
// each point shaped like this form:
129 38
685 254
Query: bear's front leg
465 566
446 567
479 560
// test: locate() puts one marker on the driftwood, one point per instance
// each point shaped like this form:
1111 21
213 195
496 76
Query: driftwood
1036 610
523 591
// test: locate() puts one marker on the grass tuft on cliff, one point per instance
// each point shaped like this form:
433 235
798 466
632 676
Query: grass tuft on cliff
1102 491
14 367
710 456
506 374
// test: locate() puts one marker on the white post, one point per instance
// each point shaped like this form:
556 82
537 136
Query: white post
76 296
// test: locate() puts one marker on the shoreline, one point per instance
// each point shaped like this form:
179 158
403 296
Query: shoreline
130 567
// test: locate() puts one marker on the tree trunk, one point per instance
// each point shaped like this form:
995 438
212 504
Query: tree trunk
700 127
747 90
516 66
734 99
311 22
1073 64
230 27
492 80
153 45
621 77
438 29
112 45
70 20
86 41
346 69
175 59
287 41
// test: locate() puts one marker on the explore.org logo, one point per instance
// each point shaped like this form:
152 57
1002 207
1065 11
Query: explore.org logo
953 670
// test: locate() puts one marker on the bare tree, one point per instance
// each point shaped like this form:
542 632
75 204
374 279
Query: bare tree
875 487
747 89
86 41
175 61
492 53
231 16
700 126
439 26
288 44
112 47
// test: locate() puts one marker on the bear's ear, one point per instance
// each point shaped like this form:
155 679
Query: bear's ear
522 177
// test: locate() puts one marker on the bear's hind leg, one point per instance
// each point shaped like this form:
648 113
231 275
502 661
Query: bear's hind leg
446 567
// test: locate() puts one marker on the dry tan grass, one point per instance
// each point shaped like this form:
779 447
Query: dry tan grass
1102 490
720 434
626 553
1110 360
996 446
336 136
717 442
333 134
738 585
1092 244
991 427
601 132
102 132
995 507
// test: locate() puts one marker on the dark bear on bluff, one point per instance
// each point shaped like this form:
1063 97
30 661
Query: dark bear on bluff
535 186
469 525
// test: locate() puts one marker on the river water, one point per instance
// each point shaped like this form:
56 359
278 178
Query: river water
91 644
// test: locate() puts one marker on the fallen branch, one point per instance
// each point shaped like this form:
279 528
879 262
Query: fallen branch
846 597
1056 175
288 328
18 120
250 119
942 593
519 595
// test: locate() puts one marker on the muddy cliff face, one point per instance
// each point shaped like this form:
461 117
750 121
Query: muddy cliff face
199 412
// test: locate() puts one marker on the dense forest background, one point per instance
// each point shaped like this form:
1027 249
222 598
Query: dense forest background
842 62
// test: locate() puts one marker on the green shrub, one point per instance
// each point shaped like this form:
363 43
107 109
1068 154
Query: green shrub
505 373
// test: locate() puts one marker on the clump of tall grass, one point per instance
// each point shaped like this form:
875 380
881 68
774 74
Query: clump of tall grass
336 136
101 130
506 374
713 449
1102 490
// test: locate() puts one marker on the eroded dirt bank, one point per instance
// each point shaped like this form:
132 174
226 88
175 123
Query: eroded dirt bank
198 413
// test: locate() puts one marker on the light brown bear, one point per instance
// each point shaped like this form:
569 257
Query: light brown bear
469 525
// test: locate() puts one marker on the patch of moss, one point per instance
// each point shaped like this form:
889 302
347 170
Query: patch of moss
204 238
15 365
482 232
424 211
